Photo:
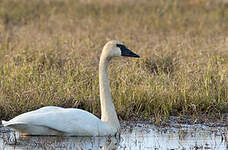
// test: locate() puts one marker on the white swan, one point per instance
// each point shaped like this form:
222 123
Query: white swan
53 120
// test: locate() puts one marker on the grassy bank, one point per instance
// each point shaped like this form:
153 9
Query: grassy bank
49 54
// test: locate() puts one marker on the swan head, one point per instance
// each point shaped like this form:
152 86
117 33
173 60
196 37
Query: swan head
115 48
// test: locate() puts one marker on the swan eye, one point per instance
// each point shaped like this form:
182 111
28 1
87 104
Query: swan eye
121 46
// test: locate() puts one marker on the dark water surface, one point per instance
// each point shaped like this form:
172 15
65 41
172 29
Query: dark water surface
134 136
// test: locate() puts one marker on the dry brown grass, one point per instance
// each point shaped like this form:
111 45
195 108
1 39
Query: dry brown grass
49 54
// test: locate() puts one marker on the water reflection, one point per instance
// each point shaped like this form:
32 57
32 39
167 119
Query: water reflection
12 140
133 137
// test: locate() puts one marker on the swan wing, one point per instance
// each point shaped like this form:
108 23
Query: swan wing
69 121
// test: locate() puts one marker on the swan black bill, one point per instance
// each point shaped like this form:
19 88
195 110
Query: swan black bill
126 52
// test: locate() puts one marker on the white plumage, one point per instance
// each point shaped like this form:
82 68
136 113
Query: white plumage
53 120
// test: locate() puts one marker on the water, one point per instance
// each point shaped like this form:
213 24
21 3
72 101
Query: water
137 136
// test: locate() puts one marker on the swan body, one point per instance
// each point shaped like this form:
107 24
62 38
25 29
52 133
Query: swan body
52 120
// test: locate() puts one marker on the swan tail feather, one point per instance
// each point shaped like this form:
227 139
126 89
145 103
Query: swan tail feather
3 123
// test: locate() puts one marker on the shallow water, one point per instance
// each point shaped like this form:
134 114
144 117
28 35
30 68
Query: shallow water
133 137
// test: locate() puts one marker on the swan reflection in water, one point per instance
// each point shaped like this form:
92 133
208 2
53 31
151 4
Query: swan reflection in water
13 140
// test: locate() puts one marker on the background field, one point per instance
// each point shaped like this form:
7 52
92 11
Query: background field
49 55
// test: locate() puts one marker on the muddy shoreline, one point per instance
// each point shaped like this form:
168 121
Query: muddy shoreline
215 120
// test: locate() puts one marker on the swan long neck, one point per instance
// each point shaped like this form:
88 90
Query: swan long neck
108 112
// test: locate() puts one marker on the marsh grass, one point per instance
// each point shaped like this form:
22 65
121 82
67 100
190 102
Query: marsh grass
49 54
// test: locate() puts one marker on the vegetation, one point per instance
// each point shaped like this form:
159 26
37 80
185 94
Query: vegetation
49 55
